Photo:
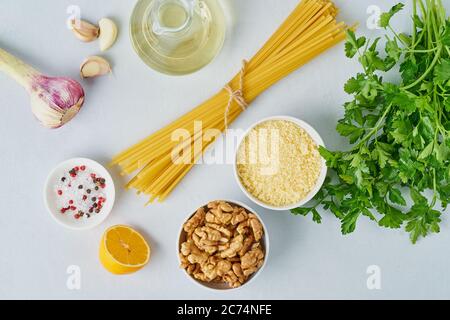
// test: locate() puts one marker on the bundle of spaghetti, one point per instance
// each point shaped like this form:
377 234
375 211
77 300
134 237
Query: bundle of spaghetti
310 30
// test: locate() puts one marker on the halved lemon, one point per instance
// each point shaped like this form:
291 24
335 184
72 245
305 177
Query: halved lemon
123 250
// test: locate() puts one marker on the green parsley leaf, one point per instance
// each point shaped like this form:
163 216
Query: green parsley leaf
349 130
409 71
442 71
393 218
393 50
349 222
305 211
417 197
353 44
427 151
396 197
385 18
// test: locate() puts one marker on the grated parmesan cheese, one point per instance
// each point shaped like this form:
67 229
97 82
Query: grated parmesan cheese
278 163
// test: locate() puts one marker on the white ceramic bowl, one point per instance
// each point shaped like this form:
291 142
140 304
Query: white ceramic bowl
223 286
50 196
323 173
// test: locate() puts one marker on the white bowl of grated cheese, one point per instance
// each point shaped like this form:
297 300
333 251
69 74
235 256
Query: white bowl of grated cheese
277 163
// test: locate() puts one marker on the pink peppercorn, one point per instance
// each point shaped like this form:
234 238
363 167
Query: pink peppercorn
70 201
83 168
73 208
77 216
60 192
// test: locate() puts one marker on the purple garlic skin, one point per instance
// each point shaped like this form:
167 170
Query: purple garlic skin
55 100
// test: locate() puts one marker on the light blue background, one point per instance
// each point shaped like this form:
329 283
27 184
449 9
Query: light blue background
307 261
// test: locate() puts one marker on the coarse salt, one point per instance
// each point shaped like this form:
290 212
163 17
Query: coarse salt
80 193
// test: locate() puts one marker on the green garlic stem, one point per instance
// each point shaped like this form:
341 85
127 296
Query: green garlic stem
16 69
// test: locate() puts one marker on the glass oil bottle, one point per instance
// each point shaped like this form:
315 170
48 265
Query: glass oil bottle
177 37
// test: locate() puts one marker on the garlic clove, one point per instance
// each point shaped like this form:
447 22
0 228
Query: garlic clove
84 30
94 66
108 33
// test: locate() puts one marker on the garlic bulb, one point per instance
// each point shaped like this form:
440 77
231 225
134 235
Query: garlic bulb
54 100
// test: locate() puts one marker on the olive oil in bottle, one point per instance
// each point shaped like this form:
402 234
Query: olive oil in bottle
177 36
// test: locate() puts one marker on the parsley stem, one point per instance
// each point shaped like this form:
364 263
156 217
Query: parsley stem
430 68
429 27
434 24
376 128
422 8
397 36
442 12
423 51
448 50
433 203
414 33
419 39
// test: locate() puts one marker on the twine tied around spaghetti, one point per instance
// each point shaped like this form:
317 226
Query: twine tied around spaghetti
236 95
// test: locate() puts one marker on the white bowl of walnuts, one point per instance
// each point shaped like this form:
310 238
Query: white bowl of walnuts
223 245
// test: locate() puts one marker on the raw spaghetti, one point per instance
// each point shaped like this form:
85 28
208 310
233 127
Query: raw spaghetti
310 30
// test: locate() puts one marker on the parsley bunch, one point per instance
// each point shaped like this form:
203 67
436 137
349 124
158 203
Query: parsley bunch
399 132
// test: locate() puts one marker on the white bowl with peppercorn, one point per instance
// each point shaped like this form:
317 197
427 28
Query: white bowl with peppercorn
79 193
223 245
